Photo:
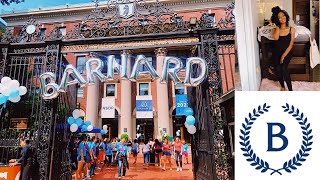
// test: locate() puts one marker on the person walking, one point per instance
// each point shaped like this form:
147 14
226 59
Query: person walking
185 148
135 150
83 157
146 153
122 156
108 158
93 152
167 154
177 150
157 146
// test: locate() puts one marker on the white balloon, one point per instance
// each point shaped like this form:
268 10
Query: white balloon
186 125
73 127
90 128
5 80
14 84
76 113
192 129
22 90
5 91
15 99
105 128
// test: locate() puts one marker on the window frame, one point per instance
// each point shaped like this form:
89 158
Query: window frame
84 64
174 89
78 88
149 88
105 90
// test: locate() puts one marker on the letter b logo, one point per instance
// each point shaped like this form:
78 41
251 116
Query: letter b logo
279 135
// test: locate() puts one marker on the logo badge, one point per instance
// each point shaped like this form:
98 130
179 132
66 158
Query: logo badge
126 10
276 135
258 162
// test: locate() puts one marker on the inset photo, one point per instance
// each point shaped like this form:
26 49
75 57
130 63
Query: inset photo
278 45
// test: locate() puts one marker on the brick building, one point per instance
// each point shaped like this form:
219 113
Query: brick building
115 102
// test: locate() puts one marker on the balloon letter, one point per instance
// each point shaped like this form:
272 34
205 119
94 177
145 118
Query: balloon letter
190 81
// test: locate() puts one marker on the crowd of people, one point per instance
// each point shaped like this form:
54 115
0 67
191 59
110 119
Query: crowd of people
90 152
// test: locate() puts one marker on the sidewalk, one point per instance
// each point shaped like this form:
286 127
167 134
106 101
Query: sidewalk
140 172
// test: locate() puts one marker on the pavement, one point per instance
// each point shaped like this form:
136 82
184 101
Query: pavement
140 172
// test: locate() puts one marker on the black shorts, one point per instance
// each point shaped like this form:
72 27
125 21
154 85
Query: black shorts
158 151
87 158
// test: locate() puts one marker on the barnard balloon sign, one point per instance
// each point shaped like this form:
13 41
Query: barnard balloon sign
50 89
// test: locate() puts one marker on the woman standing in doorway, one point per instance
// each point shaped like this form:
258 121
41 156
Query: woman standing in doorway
284 36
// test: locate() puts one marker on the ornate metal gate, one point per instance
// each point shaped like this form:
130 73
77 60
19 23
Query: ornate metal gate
26 64
211 147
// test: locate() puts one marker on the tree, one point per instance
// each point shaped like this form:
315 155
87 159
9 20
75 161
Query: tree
8 2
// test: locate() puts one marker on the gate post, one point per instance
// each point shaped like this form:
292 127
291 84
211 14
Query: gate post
201 99
48 109
3 58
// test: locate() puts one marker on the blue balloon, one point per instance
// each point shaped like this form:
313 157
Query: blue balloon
102 132
14 93
71 120
88 123
188 111
3 99
84 128
79 121
191 120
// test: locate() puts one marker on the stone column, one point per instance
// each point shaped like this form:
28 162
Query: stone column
162 94
126 106
93 95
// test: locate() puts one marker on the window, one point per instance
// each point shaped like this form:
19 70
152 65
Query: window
143 67
42 34
143 89
80 92
63 31
182 55
179 89
111 90
81 63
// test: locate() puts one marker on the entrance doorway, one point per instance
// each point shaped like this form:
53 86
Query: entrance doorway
144 129
178 124
112 124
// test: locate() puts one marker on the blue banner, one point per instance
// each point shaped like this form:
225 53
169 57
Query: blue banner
181 103
144 105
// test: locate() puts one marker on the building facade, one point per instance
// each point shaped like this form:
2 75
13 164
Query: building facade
114 103
48 40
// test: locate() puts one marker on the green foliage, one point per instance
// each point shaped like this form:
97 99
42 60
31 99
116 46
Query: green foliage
124 136
2 30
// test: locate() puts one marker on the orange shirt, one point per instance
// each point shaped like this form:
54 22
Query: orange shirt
177 146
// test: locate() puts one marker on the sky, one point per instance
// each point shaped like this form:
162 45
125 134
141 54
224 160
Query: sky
34 4
31 4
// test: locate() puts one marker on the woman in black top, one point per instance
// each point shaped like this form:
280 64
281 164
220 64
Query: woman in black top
26 160
284 36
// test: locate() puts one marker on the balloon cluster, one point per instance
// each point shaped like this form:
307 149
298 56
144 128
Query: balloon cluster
75 122
104 130
11 90
190 121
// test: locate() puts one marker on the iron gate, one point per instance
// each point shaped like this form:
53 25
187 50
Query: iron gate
26 64
211 145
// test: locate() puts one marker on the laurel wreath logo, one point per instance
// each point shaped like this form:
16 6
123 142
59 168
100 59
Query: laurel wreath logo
258 162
